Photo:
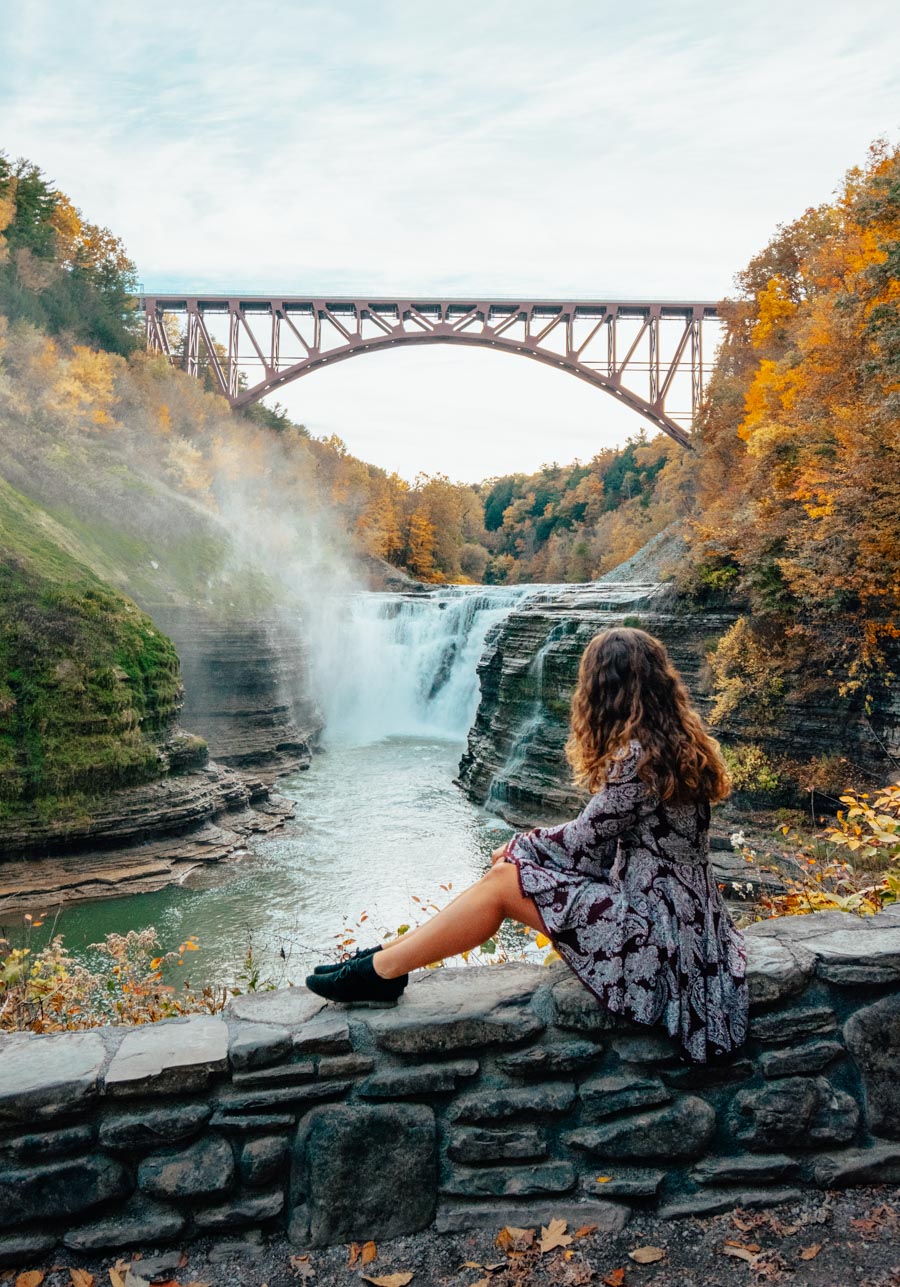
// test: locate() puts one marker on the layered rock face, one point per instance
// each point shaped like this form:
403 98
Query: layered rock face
247 689
484 1098
514 761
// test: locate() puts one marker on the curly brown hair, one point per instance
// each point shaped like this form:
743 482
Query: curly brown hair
628 688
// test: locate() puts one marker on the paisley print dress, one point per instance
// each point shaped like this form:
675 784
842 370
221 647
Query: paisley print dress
627 896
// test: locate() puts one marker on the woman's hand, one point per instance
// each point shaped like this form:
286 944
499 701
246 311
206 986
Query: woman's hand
499 854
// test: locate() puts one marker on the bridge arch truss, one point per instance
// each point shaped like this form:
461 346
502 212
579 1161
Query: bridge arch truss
641 352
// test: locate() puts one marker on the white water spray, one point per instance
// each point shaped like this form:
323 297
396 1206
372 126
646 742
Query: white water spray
406 666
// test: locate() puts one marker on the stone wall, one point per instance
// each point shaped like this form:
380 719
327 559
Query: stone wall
482 1098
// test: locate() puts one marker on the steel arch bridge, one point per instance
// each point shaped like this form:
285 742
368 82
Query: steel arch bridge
636 350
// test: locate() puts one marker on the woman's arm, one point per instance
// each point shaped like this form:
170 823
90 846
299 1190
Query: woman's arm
612 811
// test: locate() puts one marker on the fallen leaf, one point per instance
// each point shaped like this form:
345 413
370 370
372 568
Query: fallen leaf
30 1278
810 1253
302 1267
554 1235
354 1254
603 1179
615 1278
81 1278
585 1231
747 1246
390 1280
369 1253
739 1253
511 1239
647 1255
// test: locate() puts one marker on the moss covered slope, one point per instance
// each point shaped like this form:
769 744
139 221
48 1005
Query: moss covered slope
88 685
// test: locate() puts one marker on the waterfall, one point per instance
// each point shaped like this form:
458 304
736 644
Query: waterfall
406 665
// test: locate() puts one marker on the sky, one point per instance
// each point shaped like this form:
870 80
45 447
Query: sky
588 147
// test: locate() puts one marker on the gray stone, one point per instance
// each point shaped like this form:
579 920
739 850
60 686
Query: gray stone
364 1172
201 1170
711 1202
797 929
251 1123
441 1012
427 1079
345 1066
288 1008
161 1268
243 1210
630 1182
262 1160
42 1076
179 1054
490 1106
510 1181
19 1249
326 1034
745 1169
873 1037
481 1144
280 1075
606 1096
59 1189
879 1164
552 1060
153 1127
140 1222
241 1099
788 1025
577 1009
682 1130
795 1112
775 969
609 1217
849 958
35 1148
811 1058
646 1048
254 1045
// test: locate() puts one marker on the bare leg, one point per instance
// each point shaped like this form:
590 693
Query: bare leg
468 921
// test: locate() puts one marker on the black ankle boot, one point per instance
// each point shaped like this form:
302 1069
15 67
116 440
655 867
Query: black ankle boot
363 951
356 980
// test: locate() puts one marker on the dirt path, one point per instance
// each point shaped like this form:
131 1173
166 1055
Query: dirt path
826 1240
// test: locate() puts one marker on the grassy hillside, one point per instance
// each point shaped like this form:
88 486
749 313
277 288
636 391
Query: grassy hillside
87 683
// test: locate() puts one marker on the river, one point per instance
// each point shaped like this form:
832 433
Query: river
380 831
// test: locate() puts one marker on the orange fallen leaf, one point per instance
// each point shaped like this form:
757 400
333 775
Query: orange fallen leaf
81 1278
585 1231
739 1253
647 1255
747 1246
30 1278
390 1280
810 1253
511 1239
554 1235
603 1179
369 1253
615 1278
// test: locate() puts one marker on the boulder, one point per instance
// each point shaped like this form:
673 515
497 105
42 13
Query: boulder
681 1130
872 1035
201 1170
363 1171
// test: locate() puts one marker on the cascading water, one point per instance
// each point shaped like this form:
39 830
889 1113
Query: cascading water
406 666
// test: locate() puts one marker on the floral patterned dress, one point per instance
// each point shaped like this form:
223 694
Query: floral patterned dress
627 896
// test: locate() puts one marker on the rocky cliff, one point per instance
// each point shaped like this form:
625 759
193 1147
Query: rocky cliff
514 761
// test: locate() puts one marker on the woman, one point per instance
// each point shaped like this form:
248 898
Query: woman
625 891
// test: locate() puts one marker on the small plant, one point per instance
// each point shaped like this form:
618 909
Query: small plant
750 769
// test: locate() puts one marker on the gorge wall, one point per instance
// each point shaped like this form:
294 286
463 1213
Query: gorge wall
485 1097
514 761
